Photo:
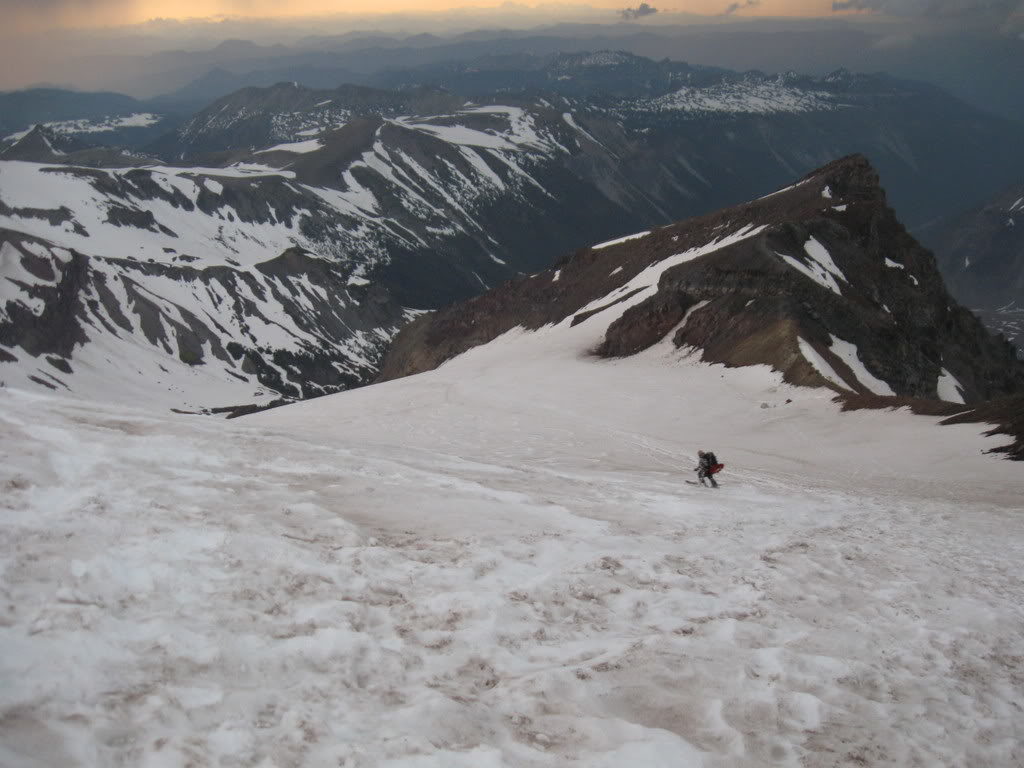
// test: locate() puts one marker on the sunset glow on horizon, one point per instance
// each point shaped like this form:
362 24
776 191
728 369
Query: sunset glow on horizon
102 13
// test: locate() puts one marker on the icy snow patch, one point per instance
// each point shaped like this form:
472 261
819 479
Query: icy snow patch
827 192
820 364
296 147
847 352
949 388
691 310
571 122
784 189
896 265
822 269
625 239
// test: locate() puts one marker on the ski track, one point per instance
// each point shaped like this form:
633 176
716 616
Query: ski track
179 591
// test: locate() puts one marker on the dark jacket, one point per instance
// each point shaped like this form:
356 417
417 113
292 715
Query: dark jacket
707 461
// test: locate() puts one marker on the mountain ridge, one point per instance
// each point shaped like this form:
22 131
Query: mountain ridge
828 265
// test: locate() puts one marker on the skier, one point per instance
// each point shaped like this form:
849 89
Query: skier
706 468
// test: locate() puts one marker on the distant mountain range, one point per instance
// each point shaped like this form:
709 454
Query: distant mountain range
979 68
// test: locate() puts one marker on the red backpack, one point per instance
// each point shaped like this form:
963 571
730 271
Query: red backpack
715 467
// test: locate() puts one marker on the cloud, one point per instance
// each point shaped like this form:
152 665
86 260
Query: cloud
640 11
739 6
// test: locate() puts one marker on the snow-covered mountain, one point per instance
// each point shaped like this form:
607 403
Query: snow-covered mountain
283 274
818 280
42 144
101 119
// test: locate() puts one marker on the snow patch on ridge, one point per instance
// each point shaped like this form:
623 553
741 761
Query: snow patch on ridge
296 147
848 353
949 388
821 269
645 283
820 364
618 240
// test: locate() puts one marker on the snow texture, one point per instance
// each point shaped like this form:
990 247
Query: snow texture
497 564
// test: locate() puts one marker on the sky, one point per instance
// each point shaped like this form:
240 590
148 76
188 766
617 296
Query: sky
76 43
23 16
93 13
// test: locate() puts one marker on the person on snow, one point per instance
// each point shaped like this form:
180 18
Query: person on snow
706 467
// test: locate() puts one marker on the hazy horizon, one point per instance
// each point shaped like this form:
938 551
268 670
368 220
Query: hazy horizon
136 47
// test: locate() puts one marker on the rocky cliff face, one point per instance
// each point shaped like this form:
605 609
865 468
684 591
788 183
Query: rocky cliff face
819 280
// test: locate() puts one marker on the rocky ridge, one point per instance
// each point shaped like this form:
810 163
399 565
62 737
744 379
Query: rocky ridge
818 280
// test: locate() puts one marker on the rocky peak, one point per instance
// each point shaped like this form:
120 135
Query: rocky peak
42 145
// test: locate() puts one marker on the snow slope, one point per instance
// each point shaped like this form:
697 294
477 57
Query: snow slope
497 564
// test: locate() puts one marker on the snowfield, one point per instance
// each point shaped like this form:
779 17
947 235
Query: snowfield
498 564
